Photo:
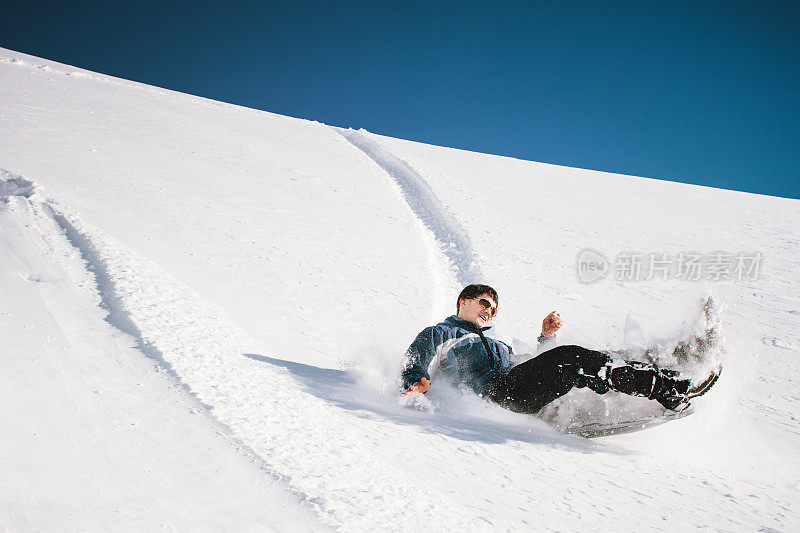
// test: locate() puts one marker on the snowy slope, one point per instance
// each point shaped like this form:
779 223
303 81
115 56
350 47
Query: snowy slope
275 270
93 434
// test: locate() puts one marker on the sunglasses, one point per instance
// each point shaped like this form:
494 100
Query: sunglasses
486 304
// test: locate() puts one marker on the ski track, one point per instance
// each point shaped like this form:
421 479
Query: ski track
110 442
261 404
452 238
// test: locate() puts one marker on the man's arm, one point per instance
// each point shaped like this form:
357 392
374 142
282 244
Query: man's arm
418 357
550 325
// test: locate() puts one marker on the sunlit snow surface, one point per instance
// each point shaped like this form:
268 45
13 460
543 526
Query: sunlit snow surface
204 312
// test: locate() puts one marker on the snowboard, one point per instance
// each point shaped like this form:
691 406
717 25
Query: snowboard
682 409
602 429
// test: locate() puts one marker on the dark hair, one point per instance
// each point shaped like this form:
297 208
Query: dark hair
475 290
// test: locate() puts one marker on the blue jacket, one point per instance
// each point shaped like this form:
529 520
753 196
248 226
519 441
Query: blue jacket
459 350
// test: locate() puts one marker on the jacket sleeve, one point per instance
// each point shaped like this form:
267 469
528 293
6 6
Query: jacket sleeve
545 343
418 357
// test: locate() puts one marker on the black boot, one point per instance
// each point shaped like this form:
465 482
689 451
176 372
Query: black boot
671 392
675 394
640 379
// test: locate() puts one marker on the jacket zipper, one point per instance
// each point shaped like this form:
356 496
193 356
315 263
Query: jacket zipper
486 345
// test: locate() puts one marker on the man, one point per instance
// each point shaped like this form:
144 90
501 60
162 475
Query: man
457 348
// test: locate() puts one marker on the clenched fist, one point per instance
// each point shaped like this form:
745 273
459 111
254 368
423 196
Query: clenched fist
551 323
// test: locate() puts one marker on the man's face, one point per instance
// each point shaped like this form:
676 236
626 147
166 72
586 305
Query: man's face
476 310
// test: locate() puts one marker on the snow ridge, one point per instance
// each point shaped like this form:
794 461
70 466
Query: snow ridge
109 300
453 239
261 404
53 67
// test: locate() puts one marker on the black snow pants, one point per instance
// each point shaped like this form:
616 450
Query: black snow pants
531 385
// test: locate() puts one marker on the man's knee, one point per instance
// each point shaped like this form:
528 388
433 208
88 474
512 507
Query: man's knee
572 353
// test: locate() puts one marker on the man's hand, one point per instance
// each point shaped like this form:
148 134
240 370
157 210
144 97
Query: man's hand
551 323
420 387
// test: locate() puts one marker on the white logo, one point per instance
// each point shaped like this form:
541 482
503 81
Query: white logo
592 266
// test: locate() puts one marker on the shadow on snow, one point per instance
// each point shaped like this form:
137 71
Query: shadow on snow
344 390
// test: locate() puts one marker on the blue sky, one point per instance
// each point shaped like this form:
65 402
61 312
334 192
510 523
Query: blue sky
701 92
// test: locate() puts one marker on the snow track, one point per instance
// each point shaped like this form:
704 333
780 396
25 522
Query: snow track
452 238
261 403
96 437
117 316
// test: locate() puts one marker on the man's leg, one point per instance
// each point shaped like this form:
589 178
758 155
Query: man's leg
533 384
